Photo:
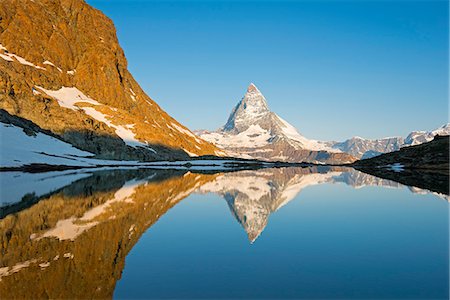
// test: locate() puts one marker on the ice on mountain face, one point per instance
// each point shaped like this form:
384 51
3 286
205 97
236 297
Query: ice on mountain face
124 132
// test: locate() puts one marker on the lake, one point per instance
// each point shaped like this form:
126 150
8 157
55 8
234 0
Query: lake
299 233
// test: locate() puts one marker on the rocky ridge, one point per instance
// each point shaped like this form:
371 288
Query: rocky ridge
62 68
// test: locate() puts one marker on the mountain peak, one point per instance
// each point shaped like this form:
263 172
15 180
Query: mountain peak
252 107
252 88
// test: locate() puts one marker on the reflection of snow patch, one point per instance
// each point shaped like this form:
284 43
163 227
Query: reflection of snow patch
71 228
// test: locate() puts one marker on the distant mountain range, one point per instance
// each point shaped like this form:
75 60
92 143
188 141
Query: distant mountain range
365 148
253 131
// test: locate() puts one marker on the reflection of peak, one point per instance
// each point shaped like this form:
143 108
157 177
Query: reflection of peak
253 195
252 216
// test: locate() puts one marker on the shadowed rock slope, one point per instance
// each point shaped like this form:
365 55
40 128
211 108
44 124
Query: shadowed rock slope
61 67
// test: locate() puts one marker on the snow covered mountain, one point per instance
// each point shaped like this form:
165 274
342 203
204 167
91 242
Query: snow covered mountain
253 131
365 148
420 137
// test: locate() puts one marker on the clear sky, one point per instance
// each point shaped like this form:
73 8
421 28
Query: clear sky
334 69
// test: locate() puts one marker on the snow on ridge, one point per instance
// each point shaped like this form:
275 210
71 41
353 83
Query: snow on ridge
5 57
254 136
291 133
53 65
9 57
191 154
186 131
124 132
68 96
72 98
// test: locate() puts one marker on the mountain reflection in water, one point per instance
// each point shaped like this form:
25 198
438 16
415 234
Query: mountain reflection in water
64 239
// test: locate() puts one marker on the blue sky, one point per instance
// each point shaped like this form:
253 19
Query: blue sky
334 69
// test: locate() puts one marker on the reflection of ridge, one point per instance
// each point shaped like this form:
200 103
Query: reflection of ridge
113 209
359 179
253 217
34 187
253 195
118 207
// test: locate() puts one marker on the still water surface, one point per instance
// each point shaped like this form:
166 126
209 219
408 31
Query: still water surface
271 233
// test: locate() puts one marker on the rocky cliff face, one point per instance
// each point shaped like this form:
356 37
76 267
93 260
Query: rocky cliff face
253 131
61 67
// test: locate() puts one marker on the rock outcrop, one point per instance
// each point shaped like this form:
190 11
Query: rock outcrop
62 68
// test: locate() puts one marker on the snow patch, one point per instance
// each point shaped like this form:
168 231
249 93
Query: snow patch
10 57
69 96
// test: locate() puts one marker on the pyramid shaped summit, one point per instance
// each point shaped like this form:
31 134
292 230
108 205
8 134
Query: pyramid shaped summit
253 131
251 108
252 88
